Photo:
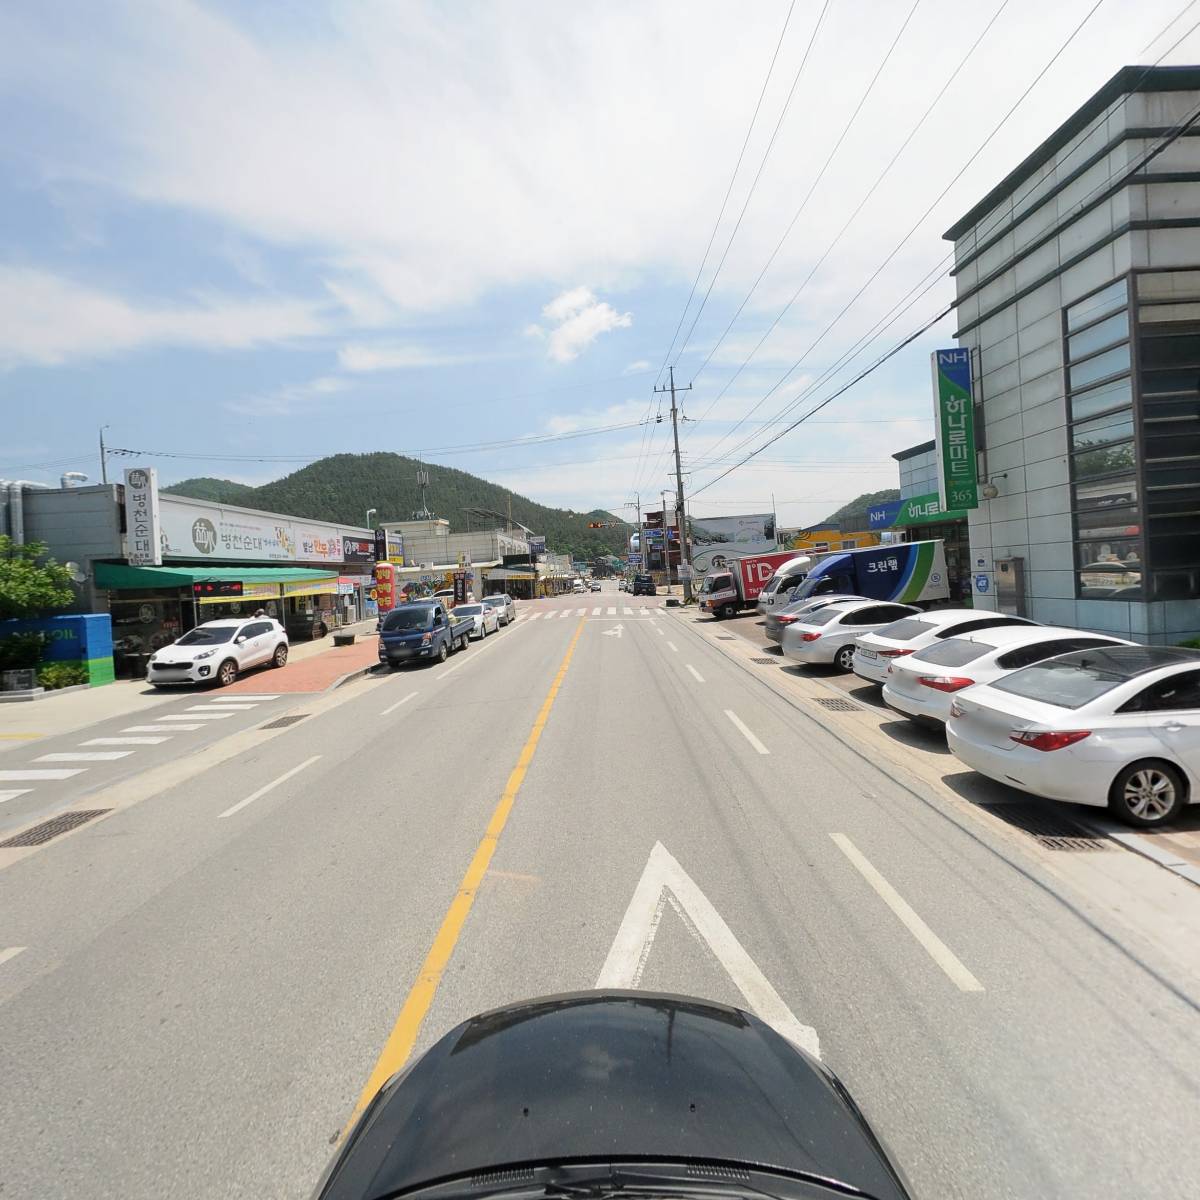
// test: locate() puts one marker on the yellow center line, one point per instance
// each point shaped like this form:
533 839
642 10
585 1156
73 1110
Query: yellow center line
408 1024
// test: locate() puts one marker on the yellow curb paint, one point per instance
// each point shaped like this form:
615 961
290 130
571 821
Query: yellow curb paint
403 1037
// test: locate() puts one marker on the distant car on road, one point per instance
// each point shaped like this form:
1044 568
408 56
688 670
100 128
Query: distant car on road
484 618
643 585
218 651
622 584
1115 725
594 586
504 605
827 634
876 651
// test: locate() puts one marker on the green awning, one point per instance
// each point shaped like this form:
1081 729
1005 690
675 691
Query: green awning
117 576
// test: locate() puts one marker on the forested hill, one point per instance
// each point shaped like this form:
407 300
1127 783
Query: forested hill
343 486
853 514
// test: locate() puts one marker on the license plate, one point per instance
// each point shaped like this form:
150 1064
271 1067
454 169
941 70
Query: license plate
867 653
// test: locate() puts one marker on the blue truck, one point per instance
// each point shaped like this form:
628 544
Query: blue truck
907 572
424 631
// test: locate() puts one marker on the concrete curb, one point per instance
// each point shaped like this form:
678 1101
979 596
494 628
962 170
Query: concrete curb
351 676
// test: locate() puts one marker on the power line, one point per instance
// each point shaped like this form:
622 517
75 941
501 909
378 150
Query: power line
729 190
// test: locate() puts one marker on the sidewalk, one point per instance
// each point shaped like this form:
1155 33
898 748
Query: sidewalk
23 724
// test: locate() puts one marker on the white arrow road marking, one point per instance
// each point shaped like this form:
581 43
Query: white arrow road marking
665 881
936 948
615 631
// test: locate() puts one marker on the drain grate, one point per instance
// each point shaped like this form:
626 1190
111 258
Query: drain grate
766 662
1052 830
284 722
47 830
835 705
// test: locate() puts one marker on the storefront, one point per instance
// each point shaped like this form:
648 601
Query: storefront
518 582
152 606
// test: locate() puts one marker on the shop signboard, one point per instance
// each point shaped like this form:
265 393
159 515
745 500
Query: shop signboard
385 586
142 517
311 587
357 550
381 545
318 545
460 587
216 590
537 544
954 427
718 541
925 510
883 516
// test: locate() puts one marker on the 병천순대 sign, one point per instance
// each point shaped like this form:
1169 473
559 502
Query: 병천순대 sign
954 425
143 525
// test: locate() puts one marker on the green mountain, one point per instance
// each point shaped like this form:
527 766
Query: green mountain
852 516
343 486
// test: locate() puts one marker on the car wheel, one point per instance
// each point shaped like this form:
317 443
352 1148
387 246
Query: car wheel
279 658
442 653
844 659
728 611
1148 793
227 672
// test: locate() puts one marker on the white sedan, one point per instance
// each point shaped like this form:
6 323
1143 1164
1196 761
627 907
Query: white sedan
826 635
486 618
217 651
504 606
1119 726
921 685
875 651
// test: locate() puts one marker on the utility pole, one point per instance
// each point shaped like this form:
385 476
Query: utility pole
103 457
685 556
666 549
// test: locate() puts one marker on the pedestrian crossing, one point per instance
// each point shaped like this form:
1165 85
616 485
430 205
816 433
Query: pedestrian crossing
563 614
63 765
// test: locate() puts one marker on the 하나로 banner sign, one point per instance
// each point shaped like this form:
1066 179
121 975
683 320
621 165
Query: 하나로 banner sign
954 425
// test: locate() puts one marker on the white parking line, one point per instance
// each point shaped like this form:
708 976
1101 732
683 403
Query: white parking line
125 741
262 791
31 776
612 612
10 953
13 793
936 948
695 674
199 716
740 726
393 707
674 648
158 728
85 756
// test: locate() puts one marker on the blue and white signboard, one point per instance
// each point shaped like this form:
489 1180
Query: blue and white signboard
883 516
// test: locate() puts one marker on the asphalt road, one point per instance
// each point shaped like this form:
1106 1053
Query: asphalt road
212 974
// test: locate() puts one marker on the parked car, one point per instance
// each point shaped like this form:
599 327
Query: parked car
826 635
484 618
875 651
445 596
921 685
422 631
1116 726
218 651
643 585
504 605
780 618
577 588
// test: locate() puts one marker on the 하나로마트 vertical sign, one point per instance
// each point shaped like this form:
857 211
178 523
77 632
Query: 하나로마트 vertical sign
143 526
954 423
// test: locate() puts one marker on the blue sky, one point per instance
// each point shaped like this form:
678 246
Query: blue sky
234 232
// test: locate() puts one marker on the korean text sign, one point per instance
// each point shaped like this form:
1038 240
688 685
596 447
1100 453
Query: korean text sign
954 424
143 526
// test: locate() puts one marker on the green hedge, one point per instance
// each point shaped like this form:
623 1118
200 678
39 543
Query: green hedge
61 675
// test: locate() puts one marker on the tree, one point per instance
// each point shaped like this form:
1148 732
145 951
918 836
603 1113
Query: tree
28 588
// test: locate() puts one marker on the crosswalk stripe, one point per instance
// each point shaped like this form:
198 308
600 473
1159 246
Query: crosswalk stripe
595 612
200 716
612 612
158 728
532 616
124 741
84 756
627 612
566 612
30 776
12 794
581 612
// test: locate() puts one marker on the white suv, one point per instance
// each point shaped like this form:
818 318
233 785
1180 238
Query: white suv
218 650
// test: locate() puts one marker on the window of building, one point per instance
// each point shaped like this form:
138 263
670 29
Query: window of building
1104 492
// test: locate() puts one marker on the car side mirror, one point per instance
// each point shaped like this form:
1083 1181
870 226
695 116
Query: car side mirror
239 639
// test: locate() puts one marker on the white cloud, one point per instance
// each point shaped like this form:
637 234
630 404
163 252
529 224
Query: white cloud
360 358
637 367
290 399
578 319
46 319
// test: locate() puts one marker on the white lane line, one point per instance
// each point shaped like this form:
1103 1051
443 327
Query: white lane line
695 674
674 648
85 756
659 631
13 793
934 946
466 662
45 773
740 726
262 791
158 728
125 741
10 953
200 716
393 707
595 612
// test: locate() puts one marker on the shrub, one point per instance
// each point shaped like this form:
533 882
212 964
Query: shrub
20 651
1191 644
61 675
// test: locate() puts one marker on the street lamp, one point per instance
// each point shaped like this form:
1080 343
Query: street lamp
370 513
